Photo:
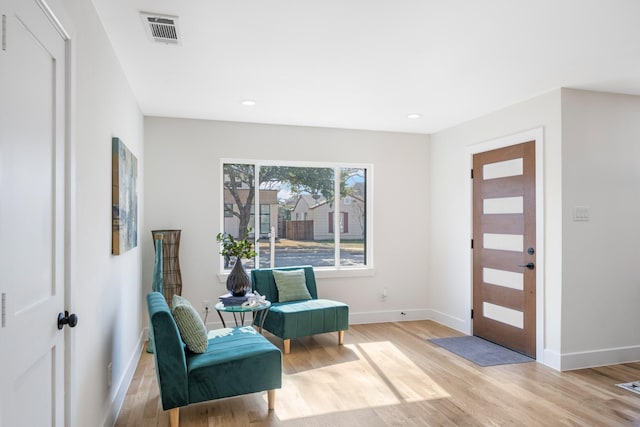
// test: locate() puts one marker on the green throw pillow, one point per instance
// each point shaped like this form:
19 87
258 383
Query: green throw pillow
190 325
291 285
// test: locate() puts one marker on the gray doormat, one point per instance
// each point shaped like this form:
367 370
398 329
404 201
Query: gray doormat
634 386
481 352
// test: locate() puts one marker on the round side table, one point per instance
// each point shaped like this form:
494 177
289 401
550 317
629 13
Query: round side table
259 311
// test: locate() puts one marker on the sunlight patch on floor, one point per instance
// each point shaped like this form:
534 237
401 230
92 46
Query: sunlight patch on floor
380 376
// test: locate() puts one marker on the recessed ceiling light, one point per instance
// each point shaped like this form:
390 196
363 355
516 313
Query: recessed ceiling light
414 116
248 102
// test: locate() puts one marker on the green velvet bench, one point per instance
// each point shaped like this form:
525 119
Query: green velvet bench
303 317
237 361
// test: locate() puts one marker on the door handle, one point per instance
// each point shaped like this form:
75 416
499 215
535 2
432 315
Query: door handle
530 265
67 319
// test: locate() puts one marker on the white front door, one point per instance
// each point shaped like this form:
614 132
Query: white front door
32 216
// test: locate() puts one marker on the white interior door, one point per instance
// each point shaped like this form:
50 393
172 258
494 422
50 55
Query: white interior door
32 216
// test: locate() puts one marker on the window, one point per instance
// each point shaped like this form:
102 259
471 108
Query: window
301 203
265 219
344 222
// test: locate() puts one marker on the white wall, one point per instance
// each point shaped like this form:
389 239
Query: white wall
450 284
600 284
591 159
107 291
182 176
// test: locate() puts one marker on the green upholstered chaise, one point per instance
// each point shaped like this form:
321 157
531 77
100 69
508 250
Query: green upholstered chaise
221 371
294 319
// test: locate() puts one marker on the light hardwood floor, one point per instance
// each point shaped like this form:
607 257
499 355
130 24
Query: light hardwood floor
389 375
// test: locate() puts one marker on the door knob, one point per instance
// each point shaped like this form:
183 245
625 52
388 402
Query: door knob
530 265
67 319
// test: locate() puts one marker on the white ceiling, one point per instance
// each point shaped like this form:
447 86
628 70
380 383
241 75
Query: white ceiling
367 64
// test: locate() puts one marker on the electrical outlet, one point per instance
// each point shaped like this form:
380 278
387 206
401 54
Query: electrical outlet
205 305
109 374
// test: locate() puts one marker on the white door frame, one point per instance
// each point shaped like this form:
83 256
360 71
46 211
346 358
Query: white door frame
536 135
54 11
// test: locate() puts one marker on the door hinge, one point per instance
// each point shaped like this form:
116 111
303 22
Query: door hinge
4 310
471 243
471 173
472 313
4 32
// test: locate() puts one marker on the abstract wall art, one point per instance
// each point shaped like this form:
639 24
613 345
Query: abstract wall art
124 198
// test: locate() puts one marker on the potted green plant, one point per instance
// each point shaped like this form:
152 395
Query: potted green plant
238 282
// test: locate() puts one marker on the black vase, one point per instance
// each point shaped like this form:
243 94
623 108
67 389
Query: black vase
238 282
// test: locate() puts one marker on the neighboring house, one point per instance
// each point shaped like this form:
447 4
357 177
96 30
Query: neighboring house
321 212
268 211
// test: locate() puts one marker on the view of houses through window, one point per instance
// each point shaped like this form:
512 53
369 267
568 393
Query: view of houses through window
310 210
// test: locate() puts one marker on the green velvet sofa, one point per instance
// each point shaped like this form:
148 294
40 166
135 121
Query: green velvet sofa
294 319
237 361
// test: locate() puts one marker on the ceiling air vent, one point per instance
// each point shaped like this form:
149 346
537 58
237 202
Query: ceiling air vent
161 28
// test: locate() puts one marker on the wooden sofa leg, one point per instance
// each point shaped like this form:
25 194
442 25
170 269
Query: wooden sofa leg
287 346
174 417
271 399
340 337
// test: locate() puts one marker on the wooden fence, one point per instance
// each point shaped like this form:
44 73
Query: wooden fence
298 230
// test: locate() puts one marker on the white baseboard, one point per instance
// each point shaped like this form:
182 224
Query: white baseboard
452 322
551 359
601 357
120 389
388 316
362 318
358 318
216 325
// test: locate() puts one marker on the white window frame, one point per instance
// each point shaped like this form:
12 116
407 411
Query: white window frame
336 270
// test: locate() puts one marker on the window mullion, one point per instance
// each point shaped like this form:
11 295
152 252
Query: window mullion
336 216
256 214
